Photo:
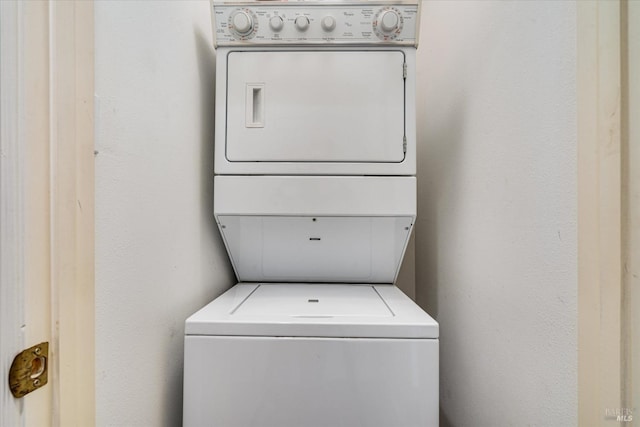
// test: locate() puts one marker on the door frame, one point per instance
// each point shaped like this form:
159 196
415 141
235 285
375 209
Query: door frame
71 41
47 199
607 206
12 336
631 172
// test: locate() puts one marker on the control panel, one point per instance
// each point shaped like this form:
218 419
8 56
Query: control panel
268 23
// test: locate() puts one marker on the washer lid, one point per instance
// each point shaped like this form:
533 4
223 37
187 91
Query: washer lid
313 301
313 310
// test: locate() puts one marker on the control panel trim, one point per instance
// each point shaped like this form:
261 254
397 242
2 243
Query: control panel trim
352 23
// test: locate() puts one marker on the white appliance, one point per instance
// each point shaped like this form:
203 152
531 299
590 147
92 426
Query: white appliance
315 199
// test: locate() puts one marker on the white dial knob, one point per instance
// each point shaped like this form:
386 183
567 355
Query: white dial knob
302 23
242 22
389 21
328 23
276 23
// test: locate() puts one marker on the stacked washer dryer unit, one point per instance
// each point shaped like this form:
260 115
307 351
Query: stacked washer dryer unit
315 199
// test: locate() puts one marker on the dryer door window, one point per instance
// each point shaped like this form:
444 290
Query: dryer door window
323 106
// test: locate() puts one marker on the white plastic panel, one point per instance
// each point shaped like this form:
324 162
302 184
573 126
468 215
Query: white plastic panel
314 195
315 249
316 246
360 231
314 300
323 106
311 382
354 23
352 311
224 166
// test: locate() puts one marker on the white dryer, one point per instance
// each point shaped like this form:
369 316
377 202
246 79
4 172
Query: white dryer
315 199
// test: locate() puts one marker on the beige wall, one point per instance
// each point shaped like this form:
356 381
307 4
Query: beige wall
159 257
407 276
496 236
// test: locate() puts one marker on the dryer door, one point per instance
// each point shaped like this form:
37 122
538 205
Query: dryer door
322 106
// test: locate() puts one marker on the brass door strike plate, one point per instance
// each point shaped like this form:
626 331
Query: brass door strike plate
29 370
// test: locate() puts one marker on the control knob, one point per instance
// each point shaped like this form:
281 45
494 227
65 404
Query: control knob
328 23
276 23
389 21
242 22
302 23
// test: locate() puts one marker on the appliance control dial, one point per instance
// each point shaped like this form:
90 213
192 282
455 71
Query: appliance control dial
302 23
328 23
243 23
276 23
388 23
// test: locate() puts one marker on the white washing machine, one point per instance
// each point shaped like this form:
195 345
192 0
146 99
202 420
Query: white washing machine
315 199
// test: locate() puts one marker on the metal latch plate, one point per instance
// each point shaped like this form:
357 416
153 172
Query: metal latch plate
29 370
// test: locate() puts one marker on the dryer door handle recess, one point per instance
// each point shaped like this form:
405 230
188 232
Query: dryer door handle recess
254 112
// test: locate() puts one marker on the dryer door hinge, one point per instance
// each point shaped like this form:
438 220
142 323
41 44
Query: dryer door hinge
404 70
404 144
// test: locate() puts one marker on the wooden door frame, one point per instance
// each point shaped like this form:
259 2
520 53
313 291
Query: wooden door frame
72 210
604 209
12 337
631 172
47 200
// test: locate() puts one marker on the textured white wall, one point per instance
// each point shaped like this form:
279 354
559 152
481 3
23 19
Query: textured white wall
158 253
496 234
